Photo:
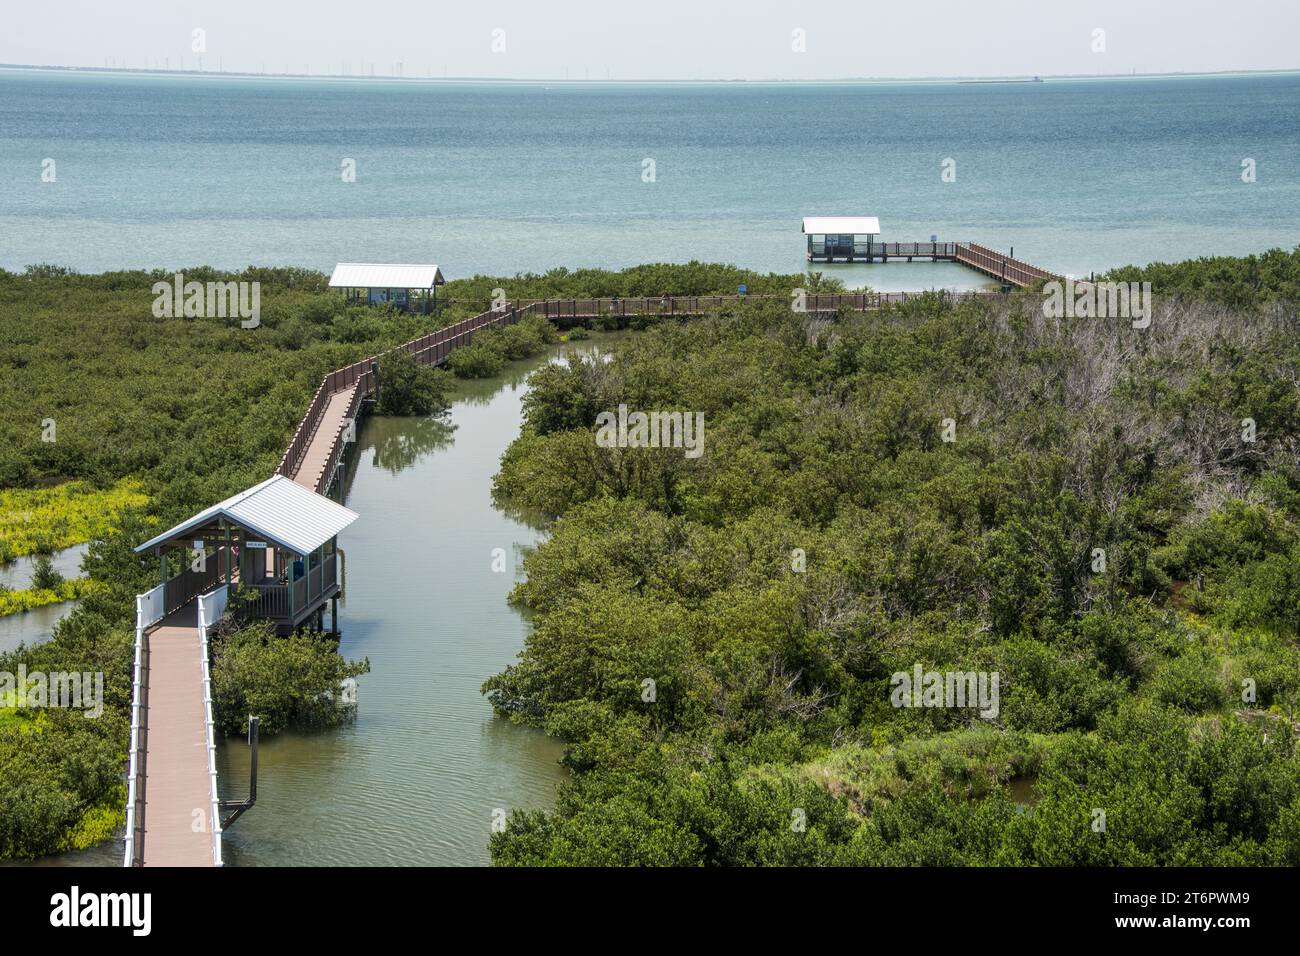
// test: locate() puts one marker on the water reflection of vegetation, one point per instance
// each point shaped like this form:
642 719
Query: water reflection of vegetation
399 442
479 392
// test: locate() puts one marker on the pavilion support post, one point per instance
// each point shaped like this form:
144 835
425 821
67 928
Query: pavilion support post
334 617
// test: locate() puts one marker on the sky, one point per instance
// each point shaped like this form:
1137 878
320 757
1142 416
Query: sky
657 39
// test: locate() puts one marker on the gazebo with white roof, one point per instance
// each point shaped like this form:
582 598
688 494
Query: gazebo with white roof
407 286
276 538
850 238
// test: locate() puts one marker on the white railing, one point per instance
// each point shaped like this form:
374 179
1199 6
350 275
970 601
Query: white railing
211 607
148 610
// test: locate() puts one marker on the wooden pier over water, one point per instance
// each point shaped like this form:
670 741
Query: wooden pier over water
1004 268
995 265
172 777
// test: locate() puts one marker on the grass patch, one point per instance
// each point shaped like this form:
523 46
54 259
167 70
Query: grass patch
41 520
27 599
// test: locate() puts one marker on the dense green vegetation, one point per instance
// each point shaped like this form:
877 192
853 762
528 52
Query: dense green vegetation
47 587
286 681
198 406
716 638
654 279
153 419
17 600
409 388
493 347
60 773
827 538
1241 282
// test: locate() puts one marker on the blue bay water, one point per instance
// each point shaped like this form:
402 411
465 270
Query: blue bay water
1078 175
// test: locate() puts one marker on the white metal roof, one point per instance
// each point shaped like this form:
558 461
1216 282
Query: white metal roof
841 225
381 275
279 509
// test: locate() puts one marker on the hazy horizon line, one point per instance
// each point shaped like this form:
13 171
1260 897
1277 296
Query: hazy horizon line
588 81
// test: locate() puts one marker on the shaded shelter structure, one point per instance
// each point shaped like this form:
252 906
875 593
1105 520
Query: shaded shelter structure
410 287
277 538
851 238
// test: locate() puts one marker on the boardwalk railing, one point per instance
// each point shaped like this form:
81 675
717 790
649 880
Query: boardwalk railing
208 607
188 584
293 455
431 349
999 266
211 606
272 601
149 608
338 441
148 611
700 304
943 250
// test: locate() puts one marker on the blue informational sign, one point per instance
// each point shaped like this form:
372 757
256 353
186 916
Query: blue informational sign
744 289
934 238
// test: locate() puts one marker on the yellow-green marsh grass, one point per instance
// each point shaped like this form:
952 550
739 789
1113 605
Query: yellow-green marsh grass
34 520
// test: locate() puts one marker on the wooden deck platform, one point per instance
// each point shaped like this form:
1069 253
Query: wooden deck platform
996 265
177 785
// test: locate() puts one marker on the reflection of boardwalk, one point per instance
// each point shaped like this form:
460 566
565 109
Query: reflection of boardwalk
312 470
176 763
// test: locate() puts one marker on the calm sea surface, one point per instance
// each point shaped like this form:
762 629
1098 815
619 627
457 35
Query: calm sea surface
502 178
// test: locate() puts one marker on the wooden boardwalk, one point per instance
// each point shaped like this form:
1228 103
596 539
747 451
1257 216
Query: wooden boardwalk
996 265
313 456
177 785
318 461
